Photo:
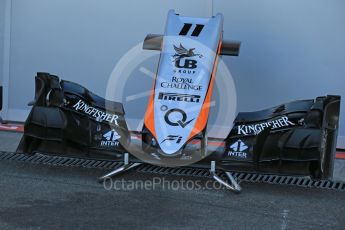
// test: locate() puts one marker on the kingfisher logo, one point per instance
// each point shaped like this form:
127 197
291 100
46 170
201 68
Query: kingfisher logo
255 129
238 150
82 106
110 138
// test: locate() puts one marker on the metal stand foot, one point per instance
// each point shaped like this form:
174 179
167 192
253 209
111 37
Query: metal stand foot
2 121
233 186
125 167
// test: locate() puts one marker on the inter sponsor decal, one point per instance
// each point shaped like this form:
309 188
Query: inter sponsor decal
110 139
257 128
238 149
99 115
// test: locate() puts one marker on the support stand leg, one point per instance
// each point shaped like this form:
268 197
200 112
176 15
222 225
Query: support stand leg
233 186
125 167
2 121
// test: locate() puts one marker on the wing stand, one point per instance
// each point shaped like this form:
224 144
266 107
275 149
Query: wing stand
125 167
233 186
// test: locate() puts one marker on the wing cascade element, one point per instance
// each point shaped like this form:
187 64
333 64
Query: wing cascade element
67 118
296 138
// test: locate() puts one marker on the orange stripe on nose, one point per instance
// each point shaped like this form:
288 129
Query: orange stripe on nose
201 121
150 114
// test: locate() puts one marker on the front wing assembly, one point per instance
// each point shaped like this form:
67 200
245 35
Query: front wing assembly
296 138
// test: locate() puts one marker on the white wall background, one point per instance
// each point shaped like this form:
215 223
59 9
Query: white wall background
79 40
2 38
291 49
2 25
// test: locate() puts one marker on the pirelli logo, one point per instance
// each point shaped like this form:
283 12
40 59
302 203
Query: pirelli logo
178 97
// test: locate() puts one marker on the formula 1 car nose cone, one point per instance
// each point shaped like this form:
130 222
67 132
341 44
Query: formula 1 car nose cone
174 129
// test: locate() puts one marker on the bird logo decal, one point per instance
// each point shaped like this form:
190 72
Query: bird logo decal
182 52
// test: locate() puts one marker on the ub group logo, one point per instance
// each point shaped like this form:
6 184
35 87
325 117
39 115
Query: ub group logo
182 52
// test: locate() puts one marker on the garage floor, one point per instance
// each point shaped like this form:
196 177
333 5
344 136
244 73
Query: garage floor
37 196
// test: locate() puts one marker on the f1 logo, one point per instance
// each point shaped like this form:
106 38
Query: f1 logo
175 138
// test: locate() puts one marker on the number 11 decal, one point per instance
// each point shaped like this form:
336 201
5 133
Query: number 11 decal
186 27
